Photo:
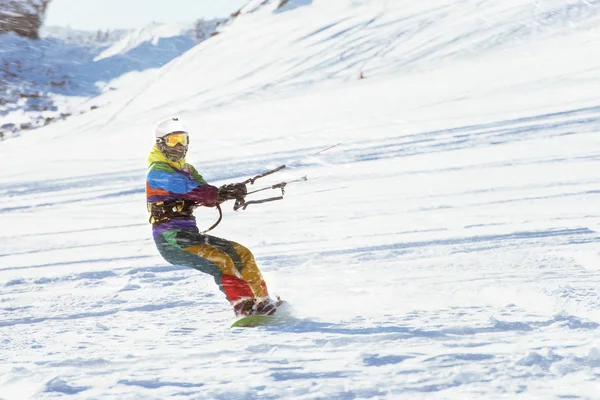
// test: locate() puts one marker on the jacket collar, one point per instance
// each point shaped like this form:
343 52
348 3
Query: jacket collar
156 156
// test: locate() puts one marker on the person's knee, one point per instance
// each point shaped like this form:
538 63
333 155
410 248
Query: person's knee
242 251
167 252
215 256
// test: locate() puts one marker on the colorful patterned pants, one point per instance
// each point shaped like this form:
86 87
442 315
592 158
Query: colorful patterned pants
231 264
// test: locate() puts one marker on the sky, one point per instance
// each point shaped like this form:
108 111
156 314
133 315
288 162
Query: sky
115 14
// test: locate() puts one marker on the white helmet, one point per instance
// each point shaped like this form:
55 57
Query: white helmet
171 125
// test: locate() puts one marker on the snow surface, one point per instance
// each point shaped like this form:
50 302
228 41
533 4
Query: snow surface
446 249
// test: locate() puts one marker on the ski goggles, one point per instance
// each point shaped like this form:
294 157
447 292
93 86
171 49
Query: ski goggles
174 139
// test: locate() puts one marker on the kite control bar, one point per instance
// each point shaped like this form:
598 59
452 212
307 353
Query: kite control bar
243 204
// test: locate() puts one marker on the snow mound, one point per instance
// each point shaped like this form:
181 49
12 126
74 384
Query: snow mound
273 5
103 39
149 34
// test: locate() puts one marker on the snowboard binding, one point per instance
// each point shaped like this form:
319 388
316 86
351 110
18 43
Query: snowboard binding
264 306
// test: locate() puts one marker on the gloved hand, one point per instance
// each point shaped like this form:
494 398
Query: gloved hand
232 191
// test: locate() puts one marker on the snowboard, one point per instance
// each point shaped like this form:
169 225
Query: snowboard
253 321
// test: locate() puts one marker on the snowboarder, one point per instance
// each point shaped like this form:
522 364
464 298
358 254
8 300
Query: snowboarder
173 190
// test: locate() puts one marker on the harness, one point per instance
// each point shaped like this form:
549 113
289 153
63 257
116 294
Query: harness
163 211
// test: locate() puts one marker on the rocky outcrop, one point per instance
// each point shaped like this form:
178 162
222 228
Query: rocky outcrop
23 17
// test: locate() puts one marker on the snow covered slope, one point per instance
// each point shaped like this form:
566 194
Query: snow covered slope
60 75
448 248
151 35
98 38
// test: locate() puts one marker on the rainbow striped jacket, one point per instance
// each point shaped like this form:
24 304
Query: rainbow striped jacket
168 181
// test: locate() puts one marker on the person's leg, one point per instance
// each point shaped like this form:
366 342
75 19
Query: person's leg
231 281
250 272
232 265
261 303
175 255
236 262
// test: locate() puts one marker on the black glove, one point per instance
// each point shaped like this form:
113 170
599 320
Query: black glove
232 191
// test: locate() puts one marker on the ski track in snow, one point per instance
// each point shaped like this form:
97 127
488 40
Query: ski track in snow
470 348
449 259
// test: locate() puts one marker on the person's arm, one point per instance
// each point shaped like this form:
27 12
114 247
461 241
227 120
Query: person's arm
181 186
226 192
197 177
